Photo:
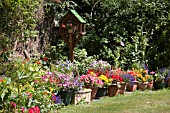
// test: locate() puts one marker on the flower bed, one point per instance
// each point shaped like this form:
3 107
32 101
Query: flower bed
33 86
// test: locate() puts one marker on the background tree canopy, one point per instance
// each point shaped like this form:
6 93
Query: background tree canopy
122 32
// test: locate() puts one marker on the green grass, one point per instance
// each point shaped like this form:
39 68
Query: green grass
137 102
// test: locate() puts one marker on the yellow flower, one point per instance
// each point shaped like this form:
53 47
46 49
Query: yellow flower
92 72
51 90
143 79
110 80
141 70
104 78
147 76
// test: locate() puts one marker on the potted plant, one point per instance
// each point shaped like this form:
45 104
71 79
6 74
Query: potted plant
159 78
142 78
68 86
150 80
101 69
130 79
117 85
91 81
102 91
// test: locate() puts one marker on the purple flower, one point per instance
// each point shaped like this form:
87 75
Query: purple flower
57 99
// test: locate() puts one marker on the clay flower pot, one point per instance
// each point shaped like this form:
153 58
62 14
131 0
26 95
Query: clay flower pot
150 85
143 86
113 90
132 86
122 87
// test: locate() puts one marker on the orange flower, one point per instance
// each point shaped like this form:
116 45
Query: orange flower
38 62
1 80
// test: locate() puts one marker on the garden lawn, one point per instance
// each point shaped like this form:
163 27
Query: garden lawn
137 102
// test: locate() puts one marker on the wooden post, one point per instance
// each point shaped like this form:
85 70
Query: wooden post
71 48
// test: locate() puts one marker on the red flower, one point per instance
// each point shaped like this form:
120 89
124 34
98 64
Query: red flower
45 58
117 78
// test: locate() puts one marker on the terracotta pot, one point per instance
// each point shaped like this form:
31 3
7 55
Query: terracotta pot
150 86
131 87
113 90
122 87
94 92
143 86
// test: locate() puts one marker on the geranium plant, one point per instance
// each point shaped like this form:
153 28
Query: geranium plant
91 80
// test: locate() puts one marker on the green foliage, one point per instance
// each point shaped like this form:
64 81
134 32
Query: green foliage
142 26
18 20
82 60
22 84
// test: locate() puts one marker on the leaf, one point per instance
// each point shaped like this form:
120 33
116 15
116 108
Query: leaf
3 94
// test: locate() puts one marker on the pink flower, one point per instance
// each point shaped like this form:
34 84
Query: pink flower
63 26
31 110
37 109
71 24
22 109
13 104
152 72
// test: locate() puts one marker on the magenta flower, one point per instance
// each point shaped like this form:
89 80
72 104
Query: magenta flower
22 109
13 104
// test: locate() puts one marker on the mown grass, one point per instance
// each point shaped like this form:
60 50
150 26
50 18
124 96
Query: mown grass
137 102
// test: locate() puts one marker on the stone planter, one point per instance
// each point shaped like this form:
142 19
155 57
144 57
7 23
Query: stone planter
84 95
